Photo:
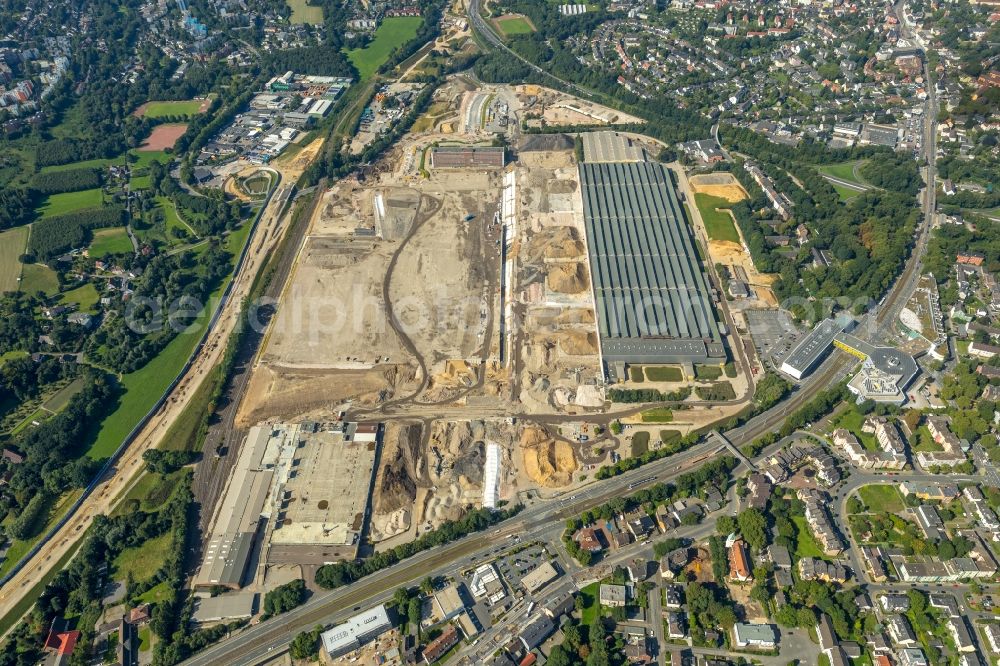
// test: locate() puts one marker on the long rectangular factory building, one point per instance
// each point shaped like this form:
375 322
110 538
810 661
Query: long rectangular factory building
652 298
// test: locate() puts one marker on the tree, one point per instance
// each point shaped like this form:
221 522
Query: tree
306 644
725 525
753 527
285 597
427 585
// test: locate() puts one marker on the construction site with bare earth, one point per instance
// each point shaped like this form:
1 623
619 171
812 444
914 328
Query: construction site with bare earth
460 319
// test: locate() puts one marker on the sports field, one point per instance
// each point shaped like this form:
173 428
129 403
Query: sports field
303 12
163 136
514 24
110 241
173 108
393 33
67 202
718 223
12 244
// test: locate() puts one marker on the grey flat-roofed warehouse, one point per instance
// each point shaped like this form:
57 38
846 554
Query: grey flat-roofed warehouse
607 146
812 348
456 157
652 298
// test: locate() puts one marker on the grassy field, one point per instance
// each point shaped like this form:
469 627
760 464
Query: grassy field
143 158
85 296
658 415
707 372
39 277
151 491
140 183
666 373
851 419
393 32
12 244
591 603
718 224
174 108
640 443
100 163
514 25
841 170
303 13
110 241
845 193
881 498
67 202
144 561
806 544
62 397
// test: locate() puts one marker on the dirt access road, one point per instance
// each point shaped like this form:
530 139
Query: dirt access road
265 238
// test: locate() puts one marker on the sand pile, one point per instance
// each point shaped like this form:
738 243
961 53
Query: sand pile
578 343
567 278
549 463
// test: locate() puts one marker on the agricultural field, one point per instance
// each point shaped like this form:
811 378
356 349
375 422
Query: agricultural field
719 223
172 108
110 241
514 24
68 202
39 277
99 163
12 244
304 13
393 32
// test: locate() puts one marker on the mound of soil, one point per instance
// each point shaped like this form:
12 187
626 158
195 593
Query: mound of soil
567 278
578 343
398 486
549 463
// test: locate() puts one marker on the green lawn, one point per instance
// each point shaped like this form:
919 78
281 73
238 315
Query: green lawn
39 277
664 373
144 561
719 224
85 296
515 25
140 183
12 245
841 170
591 603
393 33
157 594
707 372
640 443
302 12
67 202
658 415
110 241
805 543
881 498
174 108
851 419
845 193
173 220
144 642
